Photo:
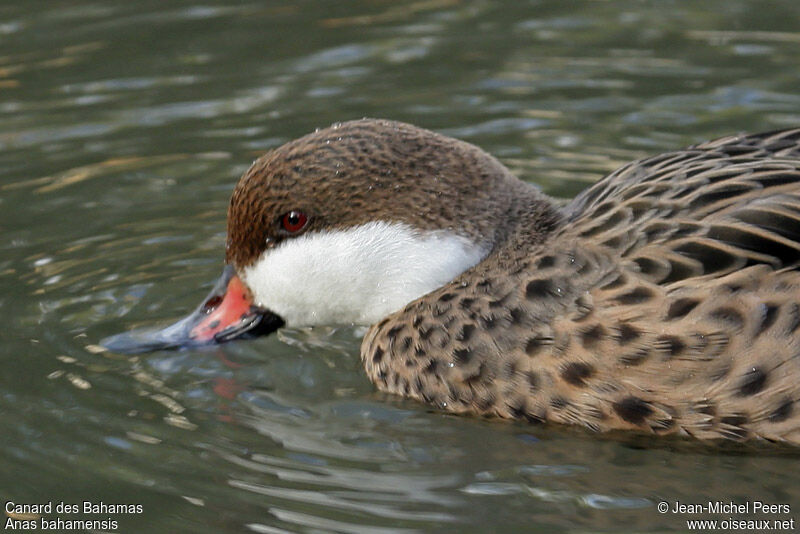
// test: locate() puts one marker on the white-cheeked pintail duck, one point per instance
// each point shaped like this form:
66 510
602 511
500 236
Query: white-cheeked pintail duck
664 299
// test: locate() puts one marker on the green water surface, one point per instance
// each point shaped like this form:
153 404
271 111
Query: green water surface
123 129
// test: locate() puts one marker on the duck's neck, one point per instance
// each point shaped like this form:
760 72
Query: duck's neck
525 217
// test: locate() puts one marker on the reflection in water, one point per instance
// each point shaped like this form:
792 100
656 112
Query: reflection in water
124 127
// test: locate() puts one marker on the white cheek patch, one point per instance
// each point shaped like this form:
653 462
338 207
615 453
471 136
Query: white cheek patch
358 275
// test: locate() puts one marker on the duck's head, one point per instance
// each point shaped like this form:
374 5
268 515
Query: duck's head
344 226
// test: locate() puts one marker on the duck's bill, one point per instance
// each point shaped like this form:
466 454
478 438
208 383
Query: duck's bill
226 314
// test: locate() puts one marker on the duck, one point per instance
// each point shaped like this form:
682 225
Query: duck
663 300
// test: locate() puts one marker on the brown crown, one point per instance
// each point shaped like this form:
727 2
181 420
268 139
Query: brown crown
366 170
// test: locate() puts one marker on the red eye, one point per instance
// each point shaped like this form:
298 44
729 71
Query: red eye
294 221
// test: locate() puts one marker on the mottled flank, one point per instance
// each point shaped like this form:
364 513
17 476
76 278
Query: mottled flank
633 410
665 299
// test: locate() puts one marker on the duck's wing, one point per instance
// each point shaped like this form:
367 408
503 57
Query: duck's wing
708 210
701 309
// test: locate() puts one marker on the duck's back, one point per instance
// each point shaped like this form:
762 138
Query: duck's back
667 301
742 192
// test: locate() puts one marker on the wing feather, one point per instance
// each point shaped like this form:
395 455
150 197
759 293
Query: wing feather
727 203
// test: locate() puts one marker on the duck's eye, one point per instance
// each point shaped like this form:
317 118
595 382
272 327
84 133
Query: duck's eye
294 221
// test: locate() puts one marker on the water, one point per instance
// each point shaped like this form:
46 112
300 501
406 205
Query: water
123 128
